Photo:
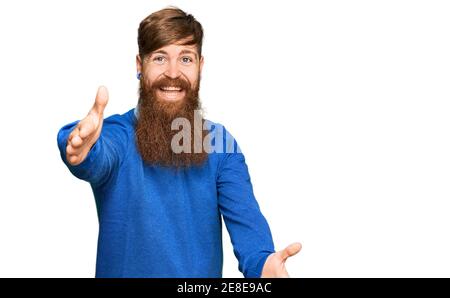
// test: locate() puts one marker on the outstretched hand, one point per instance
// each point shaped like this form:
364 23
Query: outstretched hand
87 131
275 263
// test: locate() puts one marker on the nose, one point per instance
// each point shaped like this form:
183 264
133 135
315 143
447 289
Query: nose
172 70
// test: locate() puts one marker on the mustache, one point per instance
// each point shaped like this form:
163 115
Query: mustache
169 82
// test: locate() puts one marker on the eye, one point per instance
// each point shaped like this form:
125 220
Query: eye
186 60
159 59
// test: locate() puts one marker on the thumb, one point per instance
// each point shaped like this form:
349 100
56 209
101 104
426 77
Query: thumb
291 250
101 100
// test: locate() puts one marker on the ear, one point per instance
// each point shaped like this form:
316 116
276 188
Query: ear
201 63
138 64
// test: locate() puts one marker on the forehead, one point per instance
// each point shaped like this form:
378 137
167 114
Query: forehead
176 49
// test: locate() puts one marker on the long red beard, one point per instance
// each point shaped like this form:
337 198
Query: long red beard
153 129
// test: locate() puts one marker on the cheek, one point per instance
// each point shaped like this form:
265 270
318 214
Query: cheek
152 76
192 76
152 73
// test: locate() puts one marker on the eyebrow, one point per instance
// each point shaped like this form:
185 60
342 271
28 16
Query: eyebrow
160 52
189 52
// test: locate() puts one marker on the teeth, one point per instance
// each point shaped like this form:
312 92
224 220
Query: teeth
171 88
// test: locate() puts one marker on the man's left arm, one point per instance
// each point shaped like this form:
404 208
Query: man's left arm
249 231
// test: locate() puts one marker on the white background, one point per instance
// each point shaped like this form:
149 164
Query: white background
341 108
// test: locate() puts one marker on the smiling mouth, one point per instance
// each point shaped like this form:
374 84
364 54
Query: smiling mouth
171 93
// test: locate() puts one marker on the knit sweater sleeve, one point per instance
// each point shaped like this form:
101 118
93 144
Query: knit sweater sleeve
249 231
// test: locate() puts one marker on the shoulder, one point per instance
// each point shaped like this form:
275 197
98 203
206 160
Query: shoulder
215 127
221 138
119 127
125 119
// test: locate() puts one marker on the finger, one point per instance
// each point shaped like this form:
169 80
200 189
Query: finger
74 132
101 100
291 250
76 141
73 159
86 127
75 146
70 150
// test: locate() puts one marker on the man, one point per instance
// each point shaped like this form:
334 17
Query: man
160 207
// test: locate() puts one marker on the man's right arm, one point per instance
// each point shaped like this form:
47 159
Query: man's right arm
88 152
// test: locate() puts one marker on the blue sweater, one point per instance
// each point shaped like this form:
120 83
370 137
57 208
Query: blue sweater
158 222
